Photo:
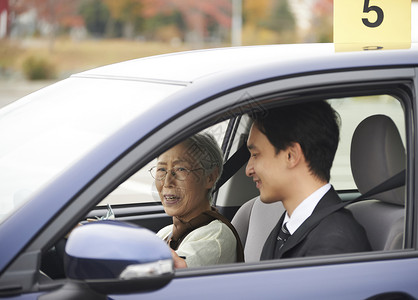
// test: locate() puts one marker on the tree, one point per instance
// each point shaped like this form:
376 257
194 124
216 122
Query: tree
55 13
255 11
322 27
129 13
268 21
198 16
281 18
96 16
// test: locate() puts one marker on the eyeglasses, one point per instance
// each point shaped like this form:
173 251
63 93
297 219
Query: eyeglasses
179 173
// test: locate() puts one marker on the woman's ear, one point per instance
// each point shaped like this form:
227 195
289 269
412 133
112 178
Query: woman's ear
294 155
211 178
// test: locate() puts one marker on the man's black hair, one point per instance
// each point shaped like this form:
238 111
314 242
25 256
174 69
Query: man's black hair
314 125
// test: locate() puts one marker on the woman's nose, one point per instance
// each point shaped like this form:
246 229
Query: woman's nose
169 178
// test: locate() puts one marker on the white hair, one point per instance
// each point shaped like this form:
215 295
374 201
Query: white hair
203 148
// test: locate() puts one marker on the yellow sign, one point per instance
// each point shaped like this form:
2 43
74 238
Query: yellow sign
372 24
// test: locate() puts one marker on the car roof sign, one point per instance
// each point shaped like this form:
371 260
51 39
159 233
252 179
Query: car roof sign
372 25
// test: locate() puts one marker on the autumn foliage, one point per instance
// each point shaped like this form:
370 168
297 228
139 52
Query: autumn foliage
263 20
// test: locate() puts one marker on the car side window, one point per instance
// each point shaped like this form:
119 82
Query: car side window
383 218
352 111
140 188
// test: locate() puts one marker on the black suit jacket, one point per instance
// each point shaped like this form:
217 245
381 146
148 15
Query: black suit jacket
337 232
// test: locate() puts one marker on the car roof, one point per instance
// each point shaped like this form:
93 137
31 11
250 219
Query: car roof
250 62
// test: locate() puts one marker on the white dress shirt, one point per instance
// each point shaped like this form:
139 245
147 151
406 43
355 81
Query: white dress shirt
305 209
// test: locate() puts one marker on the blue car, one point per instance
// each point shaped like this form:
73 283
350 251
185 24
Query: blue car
81 148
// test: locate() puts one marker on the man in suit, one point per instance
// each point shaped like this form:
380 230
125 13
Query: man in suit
292 150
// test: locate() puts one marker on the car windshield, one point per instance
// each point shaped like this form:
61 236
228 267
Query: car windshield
46 132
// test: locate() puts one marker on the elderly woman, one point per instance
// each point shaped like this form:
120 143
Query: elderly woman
185 176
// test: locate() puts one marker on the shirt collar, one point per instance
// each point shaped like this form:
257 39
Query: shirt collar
305 209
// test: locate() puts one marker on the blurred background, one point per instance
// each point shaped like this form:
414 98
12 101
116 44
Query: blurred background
42 41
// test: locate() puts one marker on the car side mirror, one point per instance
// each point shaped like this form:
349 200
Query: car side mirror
112 257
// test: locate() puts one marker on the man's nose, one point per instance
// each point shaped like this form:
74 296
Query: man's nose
249 170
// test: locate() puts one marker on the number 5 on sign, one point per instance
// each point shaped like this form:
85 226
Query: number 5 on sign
372 24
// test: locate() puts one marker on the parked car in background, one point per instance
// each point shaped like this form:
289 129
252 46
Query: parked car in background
70 150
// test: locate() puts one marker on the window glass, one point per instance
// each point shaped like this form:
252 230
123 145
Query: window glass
140 188
46 132
352 111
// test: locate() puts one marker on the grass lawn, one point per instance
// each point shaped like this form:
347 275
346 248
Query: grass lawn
69 56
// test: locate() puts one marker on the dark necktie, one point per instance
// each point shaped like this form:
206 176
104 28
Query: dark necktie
275 241
284 234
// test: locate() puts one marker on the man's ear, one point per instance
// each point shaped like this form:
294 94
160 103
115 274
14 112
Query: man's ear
294 155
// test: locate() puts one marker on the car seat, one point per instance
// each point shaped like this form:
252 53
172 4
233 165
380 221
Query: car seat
254 221
377 153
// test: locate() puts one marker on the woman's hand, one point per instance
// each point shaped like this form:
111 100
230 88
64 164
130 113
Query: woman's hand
179 263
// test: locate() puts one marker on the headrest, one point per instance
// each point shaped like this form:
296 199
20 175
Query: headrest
377 153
